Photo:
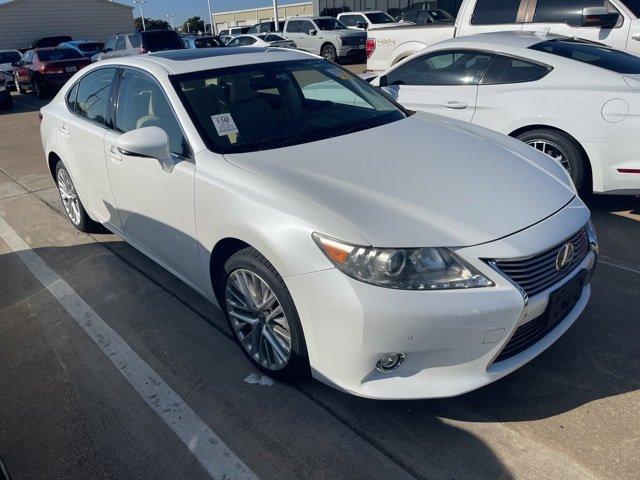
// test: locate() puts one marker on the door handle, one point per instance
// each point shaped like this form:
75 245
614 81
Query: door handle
114 154
64 131
454 105
636 37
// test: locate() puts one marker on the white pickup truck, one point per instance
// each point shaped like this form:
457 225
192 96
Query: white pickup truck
615 23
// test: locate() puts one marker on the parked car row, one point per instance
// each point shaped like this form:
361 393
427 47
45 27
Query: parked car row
439 258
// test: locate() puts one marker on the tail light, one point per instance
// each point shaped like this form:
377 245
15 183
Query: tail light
371 47
52 70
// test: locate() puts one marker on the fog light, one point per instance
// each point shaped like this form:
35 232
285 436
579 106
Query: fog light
390 362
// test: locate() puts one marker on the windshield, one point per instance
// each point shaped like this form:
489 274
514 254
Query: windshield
9 57
596 55
58 54
91 47
329 24
379 17
440 15
271 105
162 40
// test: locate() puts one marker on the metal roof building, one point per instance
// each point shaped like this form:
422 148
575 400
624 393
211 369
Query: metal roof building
24 21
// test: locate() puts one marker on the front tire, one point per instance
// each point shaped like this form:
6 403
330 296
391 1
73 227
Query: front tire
71 201
329 53
263 317
563 148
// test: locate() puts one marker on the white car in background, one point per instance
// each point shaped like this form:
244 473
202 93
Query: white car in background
426 266
574 100
261 40
7 59
366 20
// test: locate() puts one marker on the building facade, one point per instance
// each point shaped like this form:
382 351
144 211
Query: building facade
252 16
394 7
24 21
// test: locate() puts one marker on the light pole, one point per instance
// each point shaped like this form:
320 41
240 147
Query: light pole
210 19
141 3
275 16
170 17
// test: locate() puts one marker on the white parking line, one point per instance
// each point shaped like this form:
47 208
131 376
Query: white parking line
216 458
619 266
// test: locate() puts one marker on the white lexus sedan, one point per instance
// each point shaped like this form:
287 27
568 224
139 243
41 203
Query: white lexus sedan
391 255
261 40
575 100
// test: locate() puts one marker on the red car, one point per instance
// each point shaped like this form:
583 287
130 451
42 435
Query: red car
46 70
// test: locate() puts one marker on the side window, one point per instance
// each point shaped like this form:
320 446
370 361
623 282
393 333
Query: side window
93 95
71 98
265 27
120 43
248 41
110 45
513 70
442 68
234 43
28 57
348 20
495 12
254 29
293 26
142 103
566 11
135 40
306 27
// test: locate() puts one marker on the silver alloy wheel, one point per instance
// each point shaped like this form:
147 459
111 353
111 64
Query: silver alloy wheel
552 150
69 196
258 319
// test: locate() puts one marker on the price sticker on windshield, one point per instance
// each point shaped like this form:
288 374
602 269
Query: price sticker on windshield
224 124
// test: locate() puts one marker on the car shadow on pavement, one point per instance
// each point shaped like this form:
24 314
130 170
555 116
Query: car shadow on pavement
25 103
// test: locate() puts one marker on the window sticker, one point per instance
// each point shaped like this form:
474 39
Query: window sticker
224 124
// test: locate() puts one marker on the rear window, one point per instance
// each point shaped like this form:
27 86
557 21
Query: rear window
596 55
58 54
9 57
495 12
91 47
156 41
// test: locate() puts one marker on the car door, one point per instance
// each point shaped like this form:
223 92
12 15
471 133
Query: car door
306 41
443 82
292 32
510 91
564 17
155 206
81 133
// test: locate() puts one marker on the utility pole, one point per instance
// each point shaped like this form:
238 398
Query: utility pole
275 16
170 17
141 3
210 19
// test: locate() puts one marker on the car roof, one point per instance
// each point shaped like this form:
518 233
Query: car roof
507 39
176 62
361 12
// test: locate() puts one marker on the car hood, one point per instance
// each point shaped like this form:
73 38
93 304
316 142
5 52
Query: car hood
421 181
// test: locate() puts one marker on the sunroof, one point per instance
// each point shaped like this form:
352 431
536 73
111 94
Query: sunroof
198 53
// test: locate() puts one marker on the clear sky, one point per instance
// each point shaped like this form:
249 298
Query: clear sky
184 9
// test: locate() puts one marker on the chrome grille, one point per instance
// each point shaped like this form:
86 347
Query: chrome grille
536 273
353 41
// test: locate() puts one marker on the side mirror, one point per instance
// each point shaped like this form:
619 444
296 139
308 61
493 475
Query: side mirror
147 142
599 17
383 81
313 31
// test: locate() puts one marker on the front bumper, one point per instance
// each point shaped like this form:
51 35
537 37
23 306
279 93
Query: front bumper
450 338
351 52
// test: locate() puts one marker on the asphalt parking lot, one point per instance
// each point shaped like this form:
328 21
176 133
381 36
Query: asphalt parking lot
67 411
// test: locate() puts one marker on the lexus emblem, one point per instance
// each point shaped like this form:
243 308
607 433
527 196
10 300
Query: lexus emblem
565 256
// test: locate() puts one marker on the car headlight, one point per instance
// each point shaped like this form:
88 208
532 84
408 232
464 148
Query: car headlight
429 268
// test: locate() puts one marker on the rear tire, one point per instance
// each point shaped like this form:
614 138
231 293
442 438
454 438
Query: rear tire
564 149
71 202
328 52
38 89
262 316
